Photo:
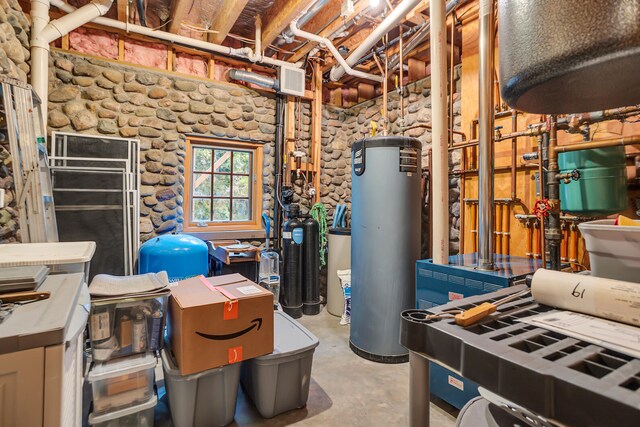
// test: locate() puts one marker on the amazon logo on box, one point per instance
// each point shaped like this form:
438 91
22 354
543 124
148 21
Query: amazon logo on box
219 320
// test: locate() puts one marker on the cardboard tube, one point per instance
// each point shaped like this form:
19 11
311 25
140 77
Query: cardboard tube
610 299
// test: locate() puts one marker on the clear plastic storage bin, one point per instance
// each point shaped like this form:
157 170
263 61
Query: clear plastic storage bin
279 382
122 383
204 399
122 327
134 416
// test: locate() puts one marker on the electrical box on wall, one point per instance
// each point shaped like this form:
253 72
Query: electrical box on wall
291 80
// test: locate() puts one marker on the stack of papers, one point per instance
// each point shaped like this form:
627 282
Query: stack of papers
16 279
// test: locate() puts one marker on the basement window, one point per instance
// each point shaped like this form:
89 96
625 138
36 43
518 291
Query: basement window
222 185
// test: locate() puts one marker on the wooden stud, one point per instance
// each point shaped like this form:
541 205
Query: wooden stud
170 55
211 66
316 127
120 47
122 10
223 21
336 97
65 42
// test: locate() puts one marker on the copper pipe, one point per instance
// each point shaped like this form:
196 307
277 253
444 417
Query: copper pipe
529 228
564 247
514 153
536 240
451 79
497 169
588 145
474 228
506 228
498 228
429 127
401 77
462 204
573 254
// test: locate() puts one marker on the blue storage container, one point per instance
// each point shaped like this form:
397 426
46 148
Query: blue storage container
180 255
440 284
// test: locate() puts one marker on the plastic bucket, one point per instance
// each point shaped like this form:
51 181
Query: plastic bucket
614 250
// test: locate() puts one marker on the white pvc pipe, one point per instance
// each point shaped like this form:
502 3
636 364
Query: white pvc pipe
439 140
326 42
44 32
244 53
389 22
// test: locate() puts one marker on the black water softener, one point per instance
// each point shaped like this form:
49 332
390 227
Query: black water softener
311 267
292 240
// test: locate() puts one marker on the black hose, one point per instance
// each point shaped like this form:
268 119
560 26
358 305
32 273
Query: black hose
141 12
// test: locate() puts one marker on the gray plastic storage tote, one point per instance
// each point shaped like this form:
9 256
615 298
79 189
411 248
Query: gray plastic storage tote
279 382
204 399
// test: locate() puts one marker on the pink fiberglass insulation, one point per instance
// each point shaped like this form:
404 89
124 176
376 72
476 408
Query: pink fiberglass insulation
94 42
221 71
144 53
190 64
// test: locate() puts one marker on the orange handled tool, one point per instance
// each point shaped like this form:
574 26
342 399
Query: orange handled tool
479 312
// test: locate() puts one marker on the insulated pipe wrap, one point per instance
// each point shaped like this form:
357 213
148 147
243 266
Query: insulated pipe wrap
569 56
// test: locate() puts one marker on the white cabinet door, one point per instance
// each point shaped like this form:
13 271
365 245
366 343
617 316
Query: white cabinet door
21 388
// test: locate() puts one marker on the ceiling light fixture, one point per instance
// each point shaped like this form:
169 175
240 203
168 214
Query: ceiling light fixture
374 3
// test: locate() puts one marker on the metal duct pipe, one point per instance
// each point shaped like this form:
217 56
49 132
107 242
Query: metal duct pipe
287 35
485 135
258 79
389 22
440 150
420 36
326 42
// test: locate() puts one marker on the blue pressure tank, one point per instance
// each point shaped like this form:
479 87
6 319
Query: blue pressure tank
180 255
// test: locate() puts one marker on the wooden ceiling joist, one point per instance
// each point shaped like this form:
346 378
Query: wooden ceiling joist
224 20
179 10
279 16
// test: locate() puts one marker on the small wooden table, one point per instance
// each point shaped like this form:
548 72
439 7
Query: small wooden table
231 256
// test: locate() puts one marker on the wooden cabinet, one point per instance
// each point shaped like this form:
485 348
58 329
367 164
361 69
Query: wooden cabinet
22 388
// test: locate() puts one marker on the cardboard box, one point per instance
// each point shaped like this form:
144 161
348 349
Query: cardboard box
219 320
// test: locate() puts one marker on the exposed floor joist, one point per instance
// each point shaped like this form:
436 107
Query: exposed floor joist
224 20
179 9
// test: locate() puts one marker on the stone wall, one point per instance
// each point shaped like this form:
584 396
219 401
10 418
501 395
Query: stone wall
14 57
98 97
94 96
341 127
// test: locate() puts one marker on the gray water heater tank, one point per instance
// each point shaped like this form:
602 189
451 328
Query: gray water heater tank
385 245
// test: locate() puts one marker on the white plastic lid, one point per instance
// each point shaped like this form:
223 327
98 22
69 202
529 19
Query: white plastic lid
608 225
123 366
22 254
110 416
289 337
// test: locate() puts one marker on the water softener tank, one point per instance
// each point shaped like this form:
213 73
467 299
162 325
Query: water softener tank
180 255
311 267
385 245
292 238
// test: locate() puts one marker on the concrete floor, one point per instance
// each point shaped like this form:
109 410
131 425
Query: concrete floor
345 389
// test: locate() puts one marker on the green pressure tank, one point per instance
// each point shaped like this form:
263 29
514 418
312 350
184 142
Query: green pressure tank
602 187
